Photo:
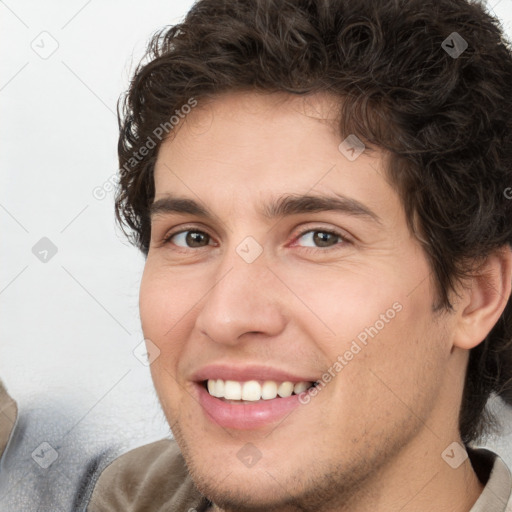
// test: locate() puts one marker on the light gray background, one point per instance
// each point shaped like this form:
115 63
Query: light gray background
70 325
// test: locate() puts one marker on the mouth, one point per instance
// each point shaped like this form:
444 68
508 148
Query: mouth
249 396
253 391
251 404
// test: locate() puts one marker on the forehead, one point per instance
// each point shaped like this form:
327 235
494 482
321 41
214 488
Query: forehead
269 106
250 124
242 146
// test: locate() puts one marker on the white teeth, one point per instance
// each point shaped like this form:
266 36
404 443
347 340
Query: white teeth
269 390
232 390
300 387
219 388
285 389
253 390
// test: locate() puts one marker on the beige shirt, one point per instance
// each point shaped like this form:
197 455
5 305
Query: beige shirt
154 478
8 415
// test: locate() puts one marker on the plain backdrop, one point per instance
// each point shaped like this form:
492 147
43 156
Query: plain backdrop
68 279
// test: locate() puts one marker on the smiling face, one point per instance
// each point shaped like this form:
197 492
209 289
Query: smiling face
248 283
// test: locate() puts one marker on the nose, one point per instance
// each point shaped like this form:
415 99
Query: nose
245 299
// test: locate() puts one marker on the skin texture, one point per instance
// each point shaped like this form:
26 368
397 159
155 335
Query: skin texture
372 438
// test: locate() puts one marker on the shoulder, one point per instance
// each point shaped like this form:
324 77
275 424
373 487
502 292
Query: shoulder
151 477
57 460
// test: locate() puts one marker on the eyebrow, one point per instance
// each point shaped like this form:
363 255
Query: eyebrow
283 206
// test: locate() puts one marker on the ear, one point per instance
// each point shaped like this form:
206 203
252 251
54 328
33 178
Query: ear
483 299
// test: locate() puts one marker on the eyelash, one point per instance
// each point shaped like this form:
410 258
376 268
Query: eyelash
343 239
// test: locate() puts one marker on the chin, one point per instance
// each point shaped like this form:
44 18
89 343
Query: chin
244 496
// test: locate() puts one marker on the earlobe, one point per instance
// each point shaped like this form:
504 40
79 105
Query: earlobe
485 296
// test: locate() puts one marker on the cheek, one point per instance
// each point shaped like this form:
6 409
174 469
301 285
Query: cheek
398 365
164 300
339 305
164 306
368 319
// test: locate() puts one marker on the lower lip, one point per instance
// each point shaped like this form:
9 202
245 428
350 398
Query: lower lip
245 416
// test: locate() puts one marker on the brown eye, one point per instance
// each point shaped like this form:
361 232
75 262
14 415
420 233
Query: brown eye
317 238
190 239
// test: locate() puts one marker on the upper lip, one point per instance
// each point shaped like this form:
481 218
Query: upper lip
242 373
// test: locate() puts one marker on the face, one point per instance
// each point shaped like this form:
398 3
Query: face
249 290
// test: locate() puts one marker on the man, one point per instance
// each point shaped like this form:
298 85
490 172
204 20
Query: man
322 193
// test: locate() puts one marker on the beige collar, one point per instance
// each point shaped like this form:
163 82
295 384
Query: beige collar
8 415
495 475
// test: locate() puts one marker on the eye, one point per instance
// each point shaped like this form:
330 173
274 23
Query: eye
318 238
313 239
190 238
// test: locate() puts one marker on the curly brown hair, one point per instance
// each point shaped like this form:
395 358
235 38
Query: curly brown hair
445 119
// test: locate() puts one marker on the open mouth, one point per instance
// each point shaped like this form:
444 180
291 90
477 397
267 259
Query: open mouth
254 390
